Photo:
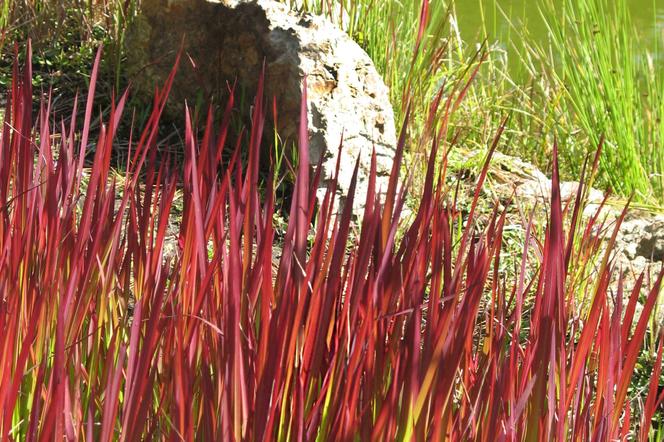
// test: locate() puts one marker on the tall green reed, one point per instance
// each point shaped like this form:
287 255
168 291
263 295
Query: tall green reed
614 86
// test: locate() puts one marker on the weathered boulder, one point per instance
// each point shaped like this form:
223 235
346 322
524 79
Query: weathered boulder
230 40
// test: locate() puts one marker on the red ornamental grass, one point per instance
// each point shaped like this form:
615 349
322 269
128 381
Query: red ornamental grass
378 336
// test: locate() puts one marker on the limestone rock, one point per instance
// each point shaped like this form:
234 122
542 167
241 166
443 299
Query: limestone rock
643 237
229 40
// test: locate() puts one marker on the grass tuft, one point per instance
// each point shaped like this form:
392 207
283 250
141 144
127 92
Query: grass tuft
366 335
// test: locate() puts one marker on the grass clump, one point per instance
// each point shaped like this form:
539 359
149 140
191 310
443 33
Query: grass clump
65 36
615 86
119 322
416 336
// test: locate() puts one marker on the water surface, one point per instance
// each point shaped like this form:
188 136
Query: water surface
504 20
